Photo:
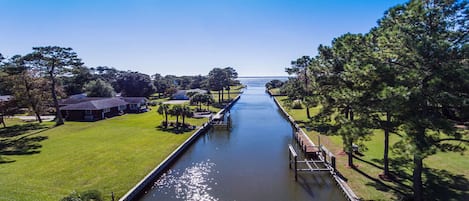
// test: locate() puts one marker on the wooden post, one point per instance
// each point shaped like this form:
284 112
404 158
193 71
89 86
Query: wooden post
295 157
296 169
333 162
323 154
319 140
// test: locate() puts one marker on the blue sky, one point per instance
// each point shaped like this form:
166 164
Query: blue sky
185 37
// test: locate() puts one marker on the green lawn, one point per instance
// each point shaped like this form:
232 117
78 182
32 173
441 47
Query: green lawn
235 91
275 91
40 162
446 175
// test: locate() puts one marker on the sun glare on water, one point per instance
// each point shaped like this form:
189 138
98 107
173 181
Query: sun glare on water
192 184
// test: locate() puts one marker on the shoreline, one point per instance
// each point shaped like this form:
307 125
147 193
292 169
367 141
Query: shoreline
348 192
143 184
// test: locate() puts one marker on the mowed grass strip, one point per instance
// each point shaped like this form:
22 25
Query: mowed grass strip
446 175
234 92
111 155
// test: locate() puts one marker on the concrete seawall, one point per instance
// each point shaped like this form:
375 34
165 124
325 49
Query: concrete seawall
136 191
349 194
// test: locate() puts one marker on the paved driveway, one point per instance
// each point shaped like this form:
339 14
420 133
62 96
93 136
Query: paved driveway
33 118
176 102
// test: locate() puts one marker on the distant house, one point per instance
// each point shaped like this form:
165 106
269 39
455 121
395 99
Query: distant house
182 94
79 108
74 100
94 110
136 104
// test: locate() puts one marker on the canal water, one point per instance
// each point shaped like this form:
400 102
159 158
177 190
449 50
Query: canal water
247 163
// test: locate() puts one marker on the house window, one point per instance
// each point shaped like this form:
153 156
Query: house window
106 110
88 112
122 107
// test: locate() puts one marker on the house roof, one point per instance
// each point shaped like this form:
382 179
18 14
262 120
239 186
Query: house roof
74 100
180 95
99 104
134 100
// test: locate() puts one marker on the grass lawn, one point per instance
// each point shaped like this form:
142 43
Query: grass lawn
42 162
446 176
275 91
235 91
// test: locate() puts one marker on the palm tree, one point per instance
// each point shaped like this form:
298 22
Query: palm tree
164 109
208 99
231 74
197 99
186 111
176 110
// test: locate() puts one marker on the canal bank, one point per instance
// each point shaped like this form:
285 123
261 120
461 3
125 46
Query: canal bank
248 162
141 186
346 190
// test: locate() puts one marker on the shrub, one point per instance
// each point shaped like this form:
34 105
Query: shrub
297 104
90 195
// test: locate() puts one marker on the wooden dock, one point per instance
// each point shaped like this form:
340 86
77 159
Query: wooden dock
326 156
219 121
318 164
310 150
218 117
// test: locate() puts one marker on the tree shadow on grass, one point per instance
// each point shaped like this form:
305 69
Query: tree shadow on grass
20 140
401 190
444 185
16 130
175 130
22 146
5 160
399 168
438 184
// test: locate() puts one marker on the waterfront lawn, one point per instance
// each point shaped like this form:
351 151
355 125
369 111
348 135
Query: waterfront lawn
275 91
112 155
446 175
235 91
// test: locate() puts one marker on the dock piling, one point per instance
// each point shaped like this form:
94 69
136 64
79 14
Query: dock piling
296 169
333 163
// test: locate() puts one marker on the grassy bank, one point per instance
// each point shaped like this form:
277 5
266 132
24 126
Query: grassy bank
446 175
41 162
235 91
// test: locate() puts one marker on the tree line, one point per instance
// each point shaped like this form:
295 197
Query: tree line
38 80
409 75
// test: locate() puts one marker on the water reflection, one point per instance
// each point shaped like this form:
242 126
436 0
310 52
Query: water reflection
192 184
248 162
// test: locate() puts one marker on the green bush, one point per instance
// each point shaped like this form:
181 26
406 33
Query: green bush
90 195
297 104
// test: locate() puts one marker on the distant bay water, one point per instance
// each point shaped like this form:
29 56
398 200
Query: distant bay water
259 81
